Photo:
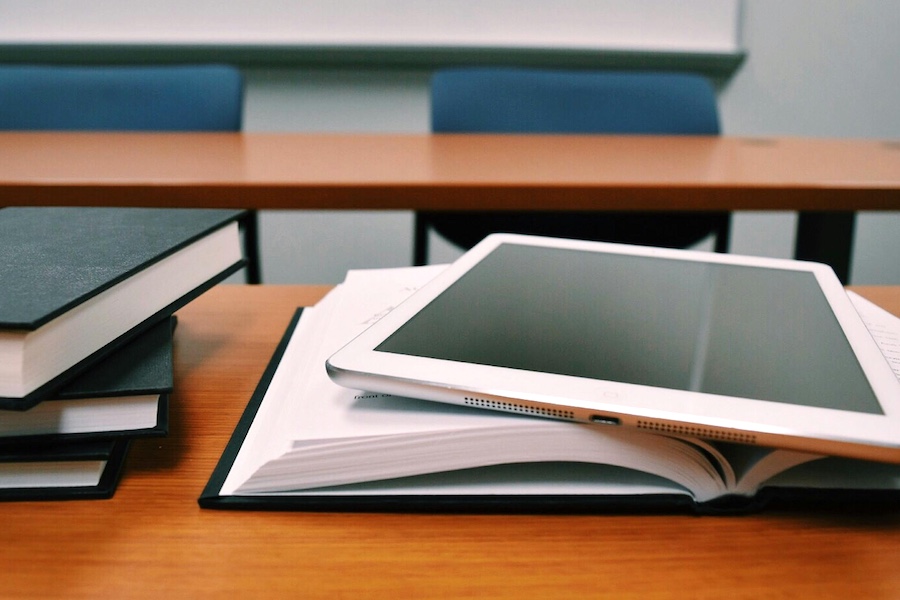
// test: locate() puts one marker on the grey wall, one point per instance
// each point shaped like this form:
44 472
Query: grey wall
815 68
823 68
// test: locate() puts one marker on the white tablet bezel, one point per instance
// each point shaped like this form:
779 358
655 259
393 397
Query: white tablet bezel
820 430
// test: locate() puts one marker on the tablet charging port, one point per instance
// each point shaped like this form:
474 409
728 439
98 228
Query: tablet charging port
604 420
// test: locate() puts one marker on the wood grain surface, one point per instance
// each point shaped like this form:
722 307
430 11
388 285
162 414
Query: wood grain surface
448 171
153 541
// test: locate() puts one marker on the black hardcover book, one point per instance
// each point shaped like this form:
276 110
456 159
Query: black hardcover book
63 471
306 443
125 394
79 282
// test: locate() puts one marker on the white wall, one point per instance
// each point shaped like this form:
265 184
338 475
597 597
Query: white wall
689 25
818 68
319 246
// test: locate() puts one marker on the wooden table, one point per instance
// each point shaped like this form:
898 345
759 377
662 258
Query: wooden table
152 540
827 180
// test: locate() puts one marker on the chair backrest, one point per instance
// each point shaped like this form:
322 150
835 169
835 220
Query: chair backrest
520 100
114 98
513 100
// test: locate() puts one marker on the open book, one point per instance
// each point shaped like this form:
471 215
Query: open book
306 443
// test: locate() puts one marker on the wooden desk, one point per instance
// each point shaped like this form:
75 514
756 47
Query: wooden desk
152 540
825 179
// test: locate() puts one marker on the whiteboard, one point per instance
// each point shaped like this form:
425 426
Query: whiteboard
690 26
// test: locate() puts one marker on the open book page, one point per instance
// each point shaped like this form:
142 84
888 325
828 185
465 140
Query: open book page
753 465
309 432
285 414
268 435
392 457
884 327
282 416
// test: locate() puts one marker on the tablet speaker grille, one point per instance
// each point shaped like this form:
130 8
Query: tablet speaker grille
701 432
540 411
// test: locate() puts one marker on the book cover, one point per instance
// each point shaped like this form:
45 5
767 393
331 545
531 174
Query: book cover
61 471
126 394
304 443
80 282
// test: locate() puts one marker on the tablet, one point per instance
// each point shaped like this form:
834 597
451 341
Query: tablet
734 348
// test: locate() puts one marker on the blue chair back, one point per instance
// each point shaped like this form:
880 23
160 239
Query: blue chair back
519 100
506 100
112 98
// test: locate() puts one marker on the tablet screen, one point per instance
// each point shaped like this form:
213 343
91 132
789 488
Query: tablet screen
734 330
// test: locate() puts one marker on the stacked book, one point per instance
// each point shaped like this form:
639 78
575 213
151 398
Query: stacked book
86 335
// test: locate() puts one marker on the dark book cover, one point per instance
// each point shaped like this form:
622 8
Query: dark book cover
27 455
55 259
143 366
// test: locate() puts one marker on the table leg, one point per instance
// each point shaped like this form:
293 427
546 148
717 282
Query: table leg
251 247
827 237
